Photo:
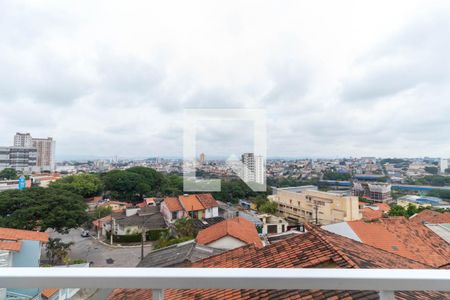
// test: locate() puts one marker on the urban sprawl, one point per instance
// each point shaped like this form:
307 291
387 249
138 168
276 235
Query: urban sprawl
366 212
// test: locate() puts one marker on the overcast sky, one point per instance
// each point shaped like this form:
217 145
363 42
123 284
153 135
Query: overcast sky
336 78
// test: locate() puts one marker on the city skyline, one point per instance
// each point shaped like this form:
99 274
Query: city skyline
364 83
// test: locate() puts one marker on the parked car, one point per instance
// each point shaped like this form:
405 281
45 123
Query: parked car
85 233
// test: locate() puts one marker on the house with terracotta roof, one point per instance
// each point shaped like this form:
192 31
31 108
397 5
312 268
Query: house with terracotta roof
230 234
431 217
210 204
172 210
192 206
316 248
21 248
374 211
400 236
199 206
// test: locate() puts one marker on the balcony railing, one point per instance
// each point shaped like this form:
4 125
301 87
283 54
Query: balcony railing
385 281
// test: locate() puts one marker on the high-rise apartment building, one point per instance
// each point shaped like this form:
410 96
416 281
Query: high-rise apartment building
29 154
23 140
443 165
202 158
254 168
45 153
19 158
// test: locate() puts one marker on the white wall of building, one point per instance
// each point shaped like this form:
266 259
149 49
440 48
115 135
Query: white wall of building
227 242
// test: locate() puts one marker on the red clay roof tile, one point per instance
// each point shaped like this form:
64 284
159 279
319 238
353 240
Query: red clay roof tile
301 251
19 234
238 228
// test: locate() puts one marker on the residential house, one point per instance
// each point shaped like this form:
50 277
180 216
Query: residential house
178 255
20 248
230 234
172 210
314 249
374 211
192 206
273 224
133 220
400 236
210 205
117 206
431 217
199 206
150 201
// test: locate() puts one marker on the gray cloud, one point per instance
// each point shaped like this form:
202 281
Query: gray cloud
116 81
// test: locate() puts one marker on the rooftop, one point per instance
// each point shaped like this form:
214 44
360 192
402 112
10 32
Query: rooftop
173 204
191 203
432 217
19 234
314 249
238 228
178 254
405 238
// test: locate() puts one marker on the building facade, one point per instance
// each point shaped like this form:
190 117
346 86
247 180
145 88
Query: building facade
45 153
23 140
309 205
20 158
254 168
375 191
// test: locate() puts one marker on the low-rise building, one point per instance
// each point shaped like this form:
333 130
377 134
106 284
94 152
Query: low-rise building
178 255
400 236
198 206
230 234
172 210
306 204
20 248
272 224
374 211
314 249
419 201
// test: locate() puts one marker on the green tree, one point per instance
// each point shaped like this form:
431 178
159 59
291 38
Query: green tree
431 170
410 210
122 184
152 180
329 175
57 250
173 185
102 211
397 210
86 185
8 173
42 208
269 207
185 228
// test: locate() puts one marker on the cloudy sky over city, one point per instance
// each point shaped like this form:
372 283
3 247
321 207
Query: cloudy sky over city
336 78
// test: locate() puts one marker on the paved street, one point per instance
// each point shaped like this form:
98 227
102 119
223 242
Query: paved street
93 251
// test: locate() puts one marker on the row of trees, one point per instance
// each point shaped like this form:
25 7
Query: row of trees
410 210
42 208
434 180
62 206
